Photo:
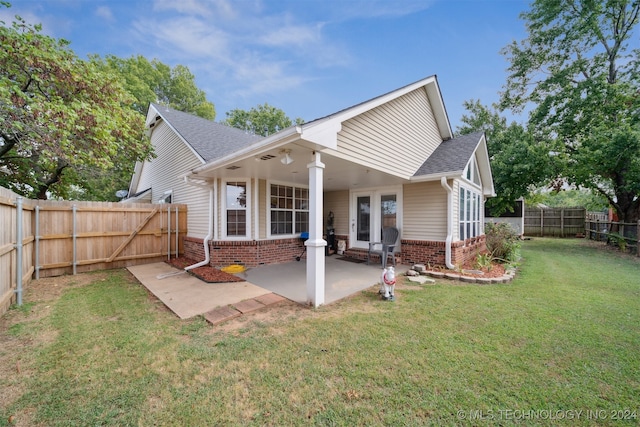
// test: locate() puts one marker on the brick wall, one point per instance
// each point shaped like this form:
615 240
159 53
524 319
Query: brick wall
254 253
433 253
461 252
248 253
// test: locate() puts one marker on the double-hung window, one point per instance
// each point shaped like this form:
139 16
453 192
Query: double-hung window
288 209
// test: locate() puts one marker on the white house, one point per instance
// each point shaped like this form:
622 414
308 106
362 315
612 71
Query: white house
389 161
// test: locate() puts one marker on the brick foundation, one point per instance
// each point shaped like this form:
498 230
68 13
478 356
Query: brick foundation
433 253
250 253
254 253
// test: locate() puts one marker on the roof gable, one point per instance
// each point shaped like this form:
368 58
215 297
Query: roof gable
208 139
333 121
452 156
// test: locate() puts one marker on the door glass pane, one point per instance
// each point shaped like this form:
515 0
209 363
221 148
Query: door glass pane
389 209
364 218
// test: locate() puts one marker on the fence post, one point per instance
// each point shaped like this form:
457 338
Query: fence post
587 226
541 222
562 222
36 262
74 210
19 250
177 232
169 233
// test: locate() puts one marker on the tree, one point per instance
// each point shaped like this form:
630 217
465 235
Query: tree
148 81
58 114
261 120
157 82
518 164
570 198
578 71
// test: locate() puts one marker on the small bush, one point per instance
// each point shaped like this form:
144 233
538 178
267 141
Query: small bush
483 261
503 242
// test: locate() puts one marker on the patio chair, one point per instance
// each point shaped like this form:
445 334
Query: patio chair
385 248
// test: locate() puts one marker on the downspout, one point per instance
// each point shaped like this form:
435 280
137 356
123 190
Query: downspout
207 239
447 247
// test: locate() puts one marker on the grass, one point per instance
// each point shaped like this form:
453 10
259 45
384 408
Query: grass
559 345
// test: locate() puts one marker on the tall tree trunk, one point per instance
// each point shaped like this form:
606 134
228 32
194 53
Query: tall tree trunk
54 177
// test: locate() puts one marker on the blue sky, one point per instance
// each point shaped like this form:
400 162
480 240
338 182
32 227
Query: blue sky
308 57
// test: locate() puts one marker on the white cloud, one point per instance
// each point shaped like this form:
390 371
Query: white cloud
104 12
204 8
186 36
295 35
364 9
257 47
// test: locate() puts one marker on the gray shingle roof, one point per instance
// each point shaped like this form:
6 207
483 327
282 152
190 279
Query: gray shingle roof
209 139
450 156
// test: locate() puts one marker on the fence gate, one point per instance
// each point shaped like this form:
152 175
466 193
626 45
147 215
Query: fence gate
61 237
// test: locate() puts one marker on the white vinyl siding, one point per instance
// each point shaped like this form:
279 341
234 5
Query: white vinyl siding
161 174
425 212
338 203
388 137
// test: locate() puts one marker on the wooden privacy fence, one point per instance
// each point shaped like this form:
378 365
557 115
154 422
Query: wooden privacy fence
622 234
42 238
554 222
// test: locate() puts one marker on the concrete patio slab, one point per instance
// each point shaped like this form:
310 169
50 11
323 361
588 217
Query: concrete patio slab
188 296
342 278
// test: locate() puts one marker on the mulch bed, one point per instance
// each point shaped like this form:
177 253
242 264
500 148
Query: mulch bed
205 273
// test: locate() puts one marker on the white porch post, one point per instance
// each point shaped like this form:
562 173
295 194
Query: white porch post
315 244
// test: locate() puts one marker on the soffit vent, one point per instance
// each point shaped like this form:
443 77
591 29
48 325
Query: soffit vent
232 168
267 157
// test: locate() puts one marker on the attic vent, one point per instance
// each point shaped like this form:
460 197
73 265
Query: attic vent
232 168
267 157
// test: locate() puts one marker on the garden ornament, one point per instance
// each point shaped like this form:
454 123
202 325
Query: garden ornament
388 284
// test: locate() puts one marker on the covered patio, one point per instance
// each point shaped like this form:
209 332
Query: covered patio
342 278
188 296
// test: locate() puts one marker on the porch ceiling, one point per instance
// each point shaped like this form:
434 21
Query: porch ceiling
339 174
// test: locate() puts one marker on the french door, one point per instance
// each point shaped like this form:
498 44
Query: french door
370 212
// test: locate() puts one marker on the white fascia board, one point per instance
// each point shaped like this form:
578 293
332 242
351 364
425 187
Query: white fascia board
484 164
323 133
274 141
135 178
439 110
437 176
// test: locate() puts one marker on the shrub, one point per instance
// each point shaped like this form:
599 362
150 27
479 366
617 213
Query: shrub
503 242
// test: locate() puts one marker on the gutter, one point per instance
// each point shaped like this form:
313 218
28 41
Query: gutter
447 247
207 239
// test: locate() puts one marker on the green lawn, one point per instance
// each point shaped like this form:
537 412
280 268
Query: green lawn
558 345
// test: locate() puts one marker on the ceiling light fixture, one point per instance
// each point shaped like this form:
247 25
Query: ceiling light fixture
286 159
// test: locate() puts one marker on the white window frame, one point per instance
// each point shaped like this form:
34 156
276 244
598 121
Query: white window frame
293 210
249 215
376 194
475 224
166 196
